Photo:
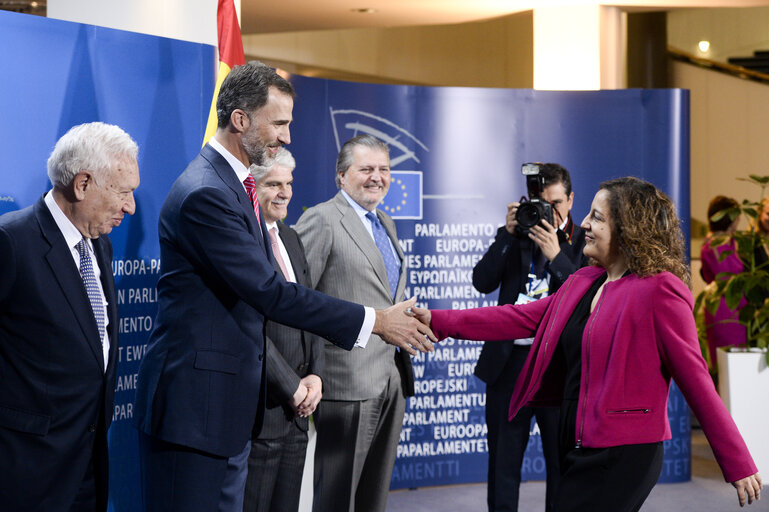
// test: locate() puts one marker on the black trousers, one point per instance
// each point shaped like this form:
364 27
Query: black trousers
275 469
614 479
508 440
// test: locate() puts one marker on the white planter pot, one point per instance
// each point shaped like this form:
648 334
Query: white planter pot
743 383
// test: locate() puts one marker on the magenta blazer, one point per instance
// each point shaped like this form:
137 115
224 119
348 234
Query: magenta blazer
640 334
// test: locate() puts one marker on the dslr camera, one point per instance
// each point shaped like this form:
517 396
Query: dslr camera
533 210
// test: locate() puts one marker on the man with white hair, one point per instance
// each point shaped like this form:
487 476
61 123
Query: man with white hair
59 325
294 361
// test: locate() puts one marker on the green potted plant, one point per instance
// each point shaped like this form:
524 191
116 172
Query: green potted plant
753 282
743 373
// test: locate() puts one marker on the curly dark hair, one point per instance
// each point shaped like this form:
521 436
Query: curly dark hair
647 228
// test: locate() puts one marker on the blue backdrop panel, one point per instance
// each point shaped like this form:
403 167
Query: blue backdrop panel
54 75
456 155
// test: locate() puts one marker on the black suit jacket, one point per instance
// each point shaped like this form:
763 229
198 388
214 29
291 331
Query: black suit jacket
201 380
291 353
506 266
55 397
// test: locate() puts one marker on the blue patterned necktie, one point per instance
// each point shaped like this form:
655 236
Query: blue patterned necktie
392 265
91 286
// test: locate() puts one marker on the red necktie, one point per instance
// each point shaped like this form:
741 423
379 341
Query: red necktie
251 191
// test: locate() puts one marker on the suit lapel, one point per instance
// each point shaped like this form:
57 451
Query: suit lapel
59 258
390 228
294 250
365 242
227 175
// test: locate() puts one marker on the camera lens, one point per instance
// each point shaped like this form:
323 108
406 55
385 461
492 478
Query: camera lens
528 215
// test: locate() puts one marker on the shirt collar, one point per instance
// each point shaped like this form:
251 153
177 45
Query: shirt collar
361 211
71 234
240 170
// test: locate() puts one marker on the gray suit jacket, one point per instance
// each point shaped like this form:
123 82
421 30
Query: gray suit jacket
291 353
345 262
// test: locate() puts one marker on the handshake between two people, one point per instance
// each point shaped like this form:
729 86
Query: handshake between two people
403 325
406 326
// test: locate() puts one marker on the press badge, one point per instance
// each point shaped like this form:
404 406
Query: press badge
536 289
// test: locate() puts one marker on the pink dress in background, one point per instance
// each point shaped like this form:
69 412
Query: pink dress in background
720 330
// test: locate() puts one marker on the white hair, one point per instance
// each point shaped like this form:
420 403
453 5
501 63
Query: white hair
283 157
92 146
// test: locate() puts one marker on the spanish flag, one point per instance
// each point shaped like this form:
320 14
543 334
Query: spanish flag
230 55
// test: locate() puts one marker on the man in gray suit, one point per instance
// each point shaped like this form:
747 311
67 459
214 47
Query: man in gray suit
294 361
354 253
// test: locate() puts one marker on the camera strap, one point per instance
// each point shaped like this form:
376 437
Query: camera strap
570 226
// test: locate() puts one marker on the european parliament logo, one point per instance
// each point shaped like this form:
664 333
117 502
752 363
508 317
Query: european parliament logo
404 199
7 204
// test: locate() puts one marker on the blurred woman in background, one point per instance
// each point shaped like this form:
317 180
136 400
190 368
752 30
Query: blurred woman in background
722 328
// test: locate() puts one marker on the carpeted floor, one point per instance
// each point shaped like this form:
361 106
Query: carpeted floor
706 492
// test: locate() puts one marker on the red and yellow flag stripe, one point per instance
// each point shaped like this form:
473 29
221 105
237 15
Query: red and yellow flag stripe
230 55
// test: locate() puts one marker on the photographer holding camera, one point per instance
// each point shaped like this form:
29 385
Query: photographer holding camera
532 255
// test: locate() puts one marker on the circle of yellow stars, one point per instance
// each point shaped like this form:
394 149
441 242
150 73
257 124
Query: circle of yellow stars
404 195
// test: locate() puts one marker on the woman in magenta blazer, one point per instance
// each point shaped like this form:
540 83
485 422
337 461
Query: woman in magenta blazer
606 345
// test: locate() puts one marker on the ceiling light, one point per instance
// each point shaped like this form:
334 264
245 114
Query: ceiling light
704 46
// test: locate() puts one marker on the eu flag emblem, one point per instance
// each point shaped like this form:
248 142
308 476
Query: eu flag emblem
404 199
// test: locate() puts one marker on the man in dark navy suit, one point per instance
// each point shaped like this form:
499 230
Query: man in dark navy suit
201 390
59 327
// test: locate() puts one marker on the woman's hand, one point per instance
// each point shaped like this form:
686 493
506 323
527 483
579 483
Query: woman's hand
421 314
748 488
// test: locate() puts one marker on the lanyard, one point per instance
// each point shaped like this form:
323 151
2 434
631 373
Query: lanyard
530 291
